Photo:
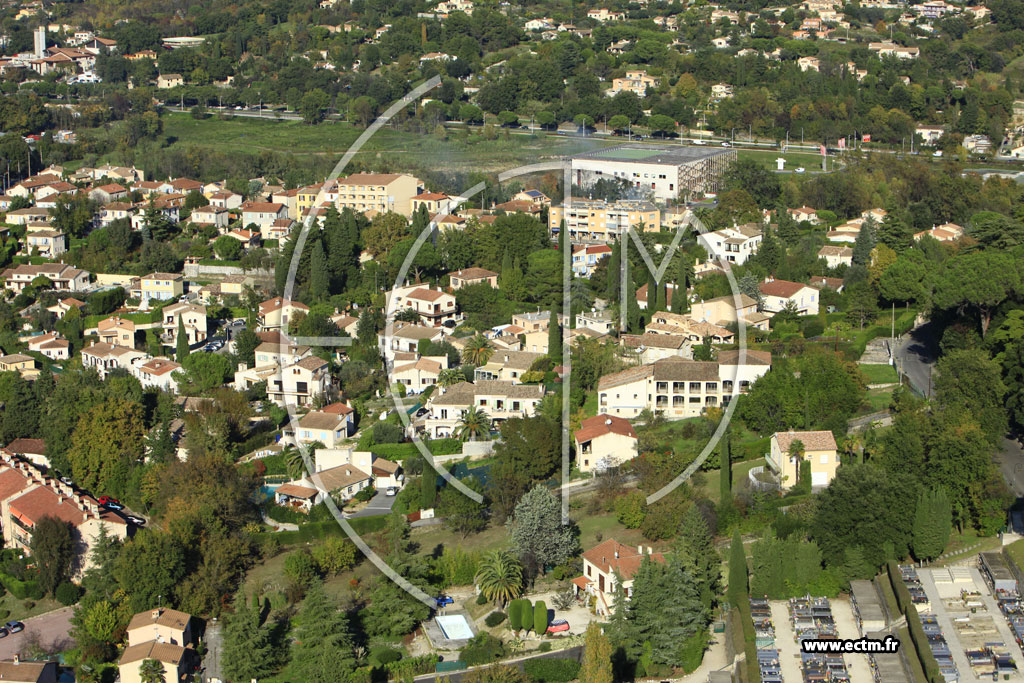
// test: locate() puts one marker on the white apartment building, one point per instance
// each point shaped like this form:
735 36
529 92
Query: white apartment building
732 245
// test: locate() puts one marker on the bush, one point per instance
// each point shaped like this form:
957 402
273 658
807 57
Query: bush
551 670
67 593
366 494
481 599
494 618
540 617
813 327
384 655
21 589
631 509
515 615
544 647
483 648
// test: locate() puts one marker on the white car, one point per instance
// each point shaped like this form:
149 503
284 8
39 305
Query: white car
391 491
800 169
937 153
726 144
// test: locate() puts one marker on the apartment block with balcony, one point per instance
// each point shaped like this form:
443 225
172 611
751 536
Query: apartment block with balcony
595 220
380 192
500 400
732 245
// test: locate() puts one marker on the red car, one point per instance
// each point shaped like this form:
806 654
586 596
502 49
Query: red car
110 503
558 625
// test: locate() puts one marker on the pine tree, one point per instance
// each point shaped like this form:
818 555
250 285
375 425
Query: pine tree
515 284
322 652
614 266
696 554
597 656
666 609
182 350
932 524
737 588
248 649
554 336
864 243
319 276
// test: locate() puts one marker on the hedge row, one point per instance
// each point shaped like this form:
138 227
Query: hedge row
917 634
555 670
21 589
401 451
749 641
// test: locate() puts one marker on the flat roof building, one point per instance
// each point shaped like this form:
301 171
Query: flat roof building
659 173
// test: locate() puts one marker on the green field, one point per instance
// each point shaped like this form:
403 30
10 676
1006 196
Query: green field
464 150
794 160
878 374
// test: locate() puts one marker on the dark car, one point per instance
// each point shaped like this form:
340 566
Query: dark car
443 600
15 626
3 632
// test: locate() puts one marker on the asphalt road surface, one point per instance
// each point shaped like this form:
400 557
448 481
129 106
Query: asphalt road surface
214 645
916 354
51 631
457 676
380 504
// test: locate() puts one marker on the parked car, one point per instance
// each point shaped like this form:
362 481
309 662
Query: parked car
15 626
800 169
110 503
558 625
391 491
443 600
137 521
67 480
3 632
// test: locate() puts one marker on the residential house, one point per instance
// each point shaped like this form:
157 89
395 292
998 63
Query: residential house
263 215
434 202
297 384
836 256
778 294
673 387
14 670
500 400
51 345
666 322
532 321
722 311
192 316
472 276
603 442
341 482
46 243
641 295
649 347
162 624
30 450
116 331
160 287
166 81
732 245
947 232
106 357
602 322
280 353
435 307
419 374
158 372
19 363
26 215
225 199
507 366
110 192
805 214
61 308
405 338
720 91
819 450
636 81
742 368
602 564
535 197
277 312
586 257
116 211
62 276
328 428
210 215
174 658
381 192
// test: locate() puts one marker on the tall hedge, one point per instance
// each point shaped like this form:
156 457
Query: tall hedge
552 670
540 618
526 614
515 615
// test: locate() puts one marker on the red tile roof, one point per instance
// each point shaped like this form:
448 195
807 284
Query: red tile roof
611 555
599 425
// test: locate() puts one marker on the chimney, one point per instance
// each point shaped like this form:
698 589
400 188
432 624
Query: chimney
639 550
608 421
156 613
17 659
650 550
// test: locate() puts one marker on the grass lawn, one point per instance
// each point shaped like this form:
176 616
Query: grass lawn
462 151
740 471
811 162
878 374
1016 552
608 527
970 537
19 609
878 399
590 404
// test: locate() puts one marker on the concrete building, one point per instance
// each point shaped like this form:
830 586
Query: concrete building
381 192
732 245
500 400
604 442
601 565
664 174
777 294
595 220
819 450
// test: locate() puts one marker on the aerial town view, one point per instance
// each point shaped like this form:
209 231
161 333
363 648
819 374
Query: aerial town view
479 341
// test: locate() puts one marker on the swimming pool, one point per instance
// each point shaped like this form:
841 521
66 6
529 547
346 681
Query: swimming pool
454 627
267 491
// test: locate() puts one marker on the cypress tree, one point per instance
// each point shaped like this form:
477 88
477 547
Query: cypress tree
725 478
633 316
540 618
770 253
428 488
680 297
737 588
864 243
597 657
613 279
182 350
515 618
933 520
318 275
506 270
652 295
659 299
562 238
554 336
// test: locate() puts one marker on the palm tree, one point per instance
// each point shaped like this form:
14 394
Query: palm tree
293 462
499 577
472 423
151 671
478 351
796 454
450 377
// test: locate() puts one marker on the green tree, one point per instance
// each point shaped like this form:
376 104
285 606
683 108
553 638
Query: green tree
53 551
335 555
695 550
864 243
597 656
725 469
319 277
554 336
322 651
737 589
461 513
227 248
540 617
151 671
978 281
107 444
477 350
473 422
149 569
249 651
314 106
499 577
428 488
181 341
770 253
933 521
968 382
536 528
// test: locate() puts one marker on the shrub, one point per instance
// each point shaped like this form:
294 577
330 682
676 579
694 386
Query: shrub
551 670
631 509
813 327
481 599
366 494
526 614
515 615
544 647
21 589
540 617
483 648
384 655
494 618
67 593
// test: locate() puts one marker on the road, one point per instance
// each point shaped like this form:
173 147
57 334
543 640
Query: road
380 504
214 645
51 632
915 356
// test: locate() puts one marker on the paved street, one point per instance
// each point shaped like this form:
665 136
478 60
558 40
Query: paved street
380 504
214 643
915 355
50 630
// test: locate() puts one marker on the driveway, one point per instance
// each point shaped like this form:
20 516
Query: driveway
214 646
916 354
380 504
51 631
